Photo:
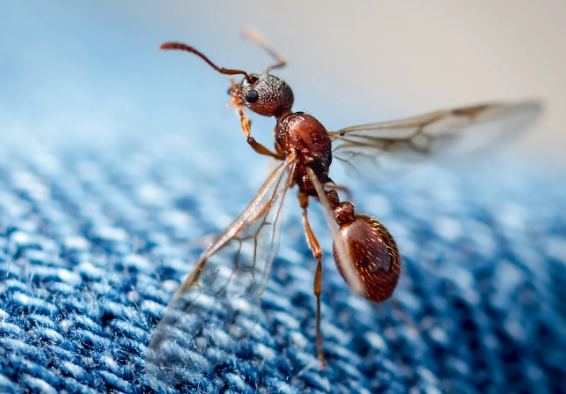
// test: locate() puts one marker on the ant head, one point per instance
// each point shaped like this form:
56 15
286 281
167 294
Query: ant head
265 94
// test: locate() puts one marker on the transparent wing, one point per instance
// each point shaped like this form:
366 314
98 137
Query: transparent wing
341 248
450 133
217 305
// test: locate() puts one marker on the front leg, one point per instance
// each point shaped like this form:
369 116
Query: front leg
247 130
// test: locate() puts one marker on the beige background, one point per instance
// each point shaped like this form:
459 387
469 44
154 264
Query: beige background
380 60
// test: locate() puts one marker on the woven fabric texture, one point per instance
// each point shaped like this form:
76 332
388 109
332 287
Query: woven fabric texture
94 241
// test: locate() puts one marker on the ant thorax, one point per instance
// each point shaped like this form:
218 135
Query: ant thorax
305 136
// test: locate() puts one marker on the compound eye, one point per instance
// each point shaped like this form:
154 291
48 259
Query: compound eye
252 96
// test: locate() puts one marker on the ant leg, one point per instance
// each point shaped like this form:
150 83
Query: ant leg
317 287
247 130
259 39
317 254
246 126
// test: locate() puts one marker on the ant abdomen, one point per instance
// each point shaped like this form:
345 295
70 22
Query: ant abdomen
373 254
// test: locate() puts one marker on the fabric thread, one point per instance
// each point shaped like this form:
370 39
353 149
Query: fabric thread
94 241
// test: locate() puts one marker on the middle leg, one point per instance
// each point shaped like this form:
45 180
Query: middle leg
314 246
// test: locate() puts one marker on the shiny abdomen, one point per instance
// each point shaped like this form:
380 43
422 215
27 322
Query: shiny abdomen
373 257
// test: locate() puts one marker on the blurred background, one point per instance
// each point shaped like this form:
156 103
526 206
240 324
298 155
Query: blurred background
92 70
167 169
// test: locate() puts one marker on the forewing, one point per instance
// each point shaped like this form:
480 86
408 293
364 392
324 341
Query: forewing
217 305
350 275
450 133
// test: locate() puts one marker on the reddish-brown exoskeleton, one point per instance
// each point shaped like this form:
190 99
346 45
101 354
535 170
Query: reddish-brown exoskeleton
364 251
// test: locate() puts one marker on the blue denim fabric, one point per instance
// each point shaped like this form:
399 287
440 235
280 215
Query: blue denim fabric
95 238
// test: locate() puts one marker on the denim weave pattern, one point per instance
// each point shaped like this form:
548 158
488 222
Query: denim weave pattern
95 239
